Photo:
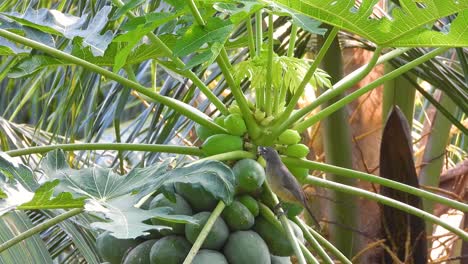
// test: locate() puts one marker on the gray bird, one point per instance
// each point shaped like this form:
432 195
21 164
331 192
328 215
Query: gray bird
281 181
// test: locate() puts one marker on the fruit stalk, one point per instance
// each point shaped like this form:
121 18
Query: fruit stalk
204 232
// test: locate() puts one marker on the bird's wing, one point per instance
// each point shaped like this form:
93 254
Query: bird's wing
290 183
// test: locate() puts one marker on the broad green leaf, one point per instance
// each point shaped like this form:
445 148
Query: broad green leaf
99 183
9 48
55 22
238 10
134 36
212 176
143 52
208 56
126 221
126 7
12 169
410 25
30 250
215 31
15 183
300 20
43 199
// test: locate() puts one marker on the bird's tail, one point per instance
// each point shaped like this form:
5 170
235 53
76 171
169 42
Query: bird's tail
306 206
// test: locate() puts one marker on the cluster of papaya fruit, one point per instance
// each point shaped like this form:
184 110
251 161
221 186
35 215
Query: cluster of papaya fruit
242 234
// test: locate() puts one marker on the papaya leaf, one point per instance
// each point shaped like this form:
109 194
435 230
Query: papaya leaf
215 31
410 25
9 48
69 26
126 7
133 36
12 169
239 10
400 229
143 52
300 20
43 199
212 176
126 221
15 180
101 184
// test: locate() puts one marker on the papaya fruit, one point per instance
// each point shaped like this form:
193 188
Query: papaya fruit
249 175
246 247
249 202
221 143
206 256
169 250
180 207
289 137
198 198
235 125
276 239
297 151
112 249
217 235
140 254
238 217
203 132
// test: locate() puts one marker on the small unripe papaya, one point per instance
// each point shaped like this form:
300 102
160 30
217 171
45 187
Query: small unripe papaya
221 143
203 132
235 124
297 151
289 137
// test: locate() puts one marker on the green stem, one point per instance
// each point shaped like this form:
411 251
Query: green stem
310 73
258 31
258 45
223 62
313 242
315 181
251 37
225 65
308 256
269 101
196 13
351 97
184 109
180 64
339 88
287 227
108 146
292 40
312 165
233 155
310 232
204 232
38 228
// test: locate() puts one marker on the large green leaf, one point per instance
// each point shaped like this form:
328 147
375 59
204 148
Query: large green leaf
134 35
212 176
69 26
215 31
101 184
127 221
17 194
411 25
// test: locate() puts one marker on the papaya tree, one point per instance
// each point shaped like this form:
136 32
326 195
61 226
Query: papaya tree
145 118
